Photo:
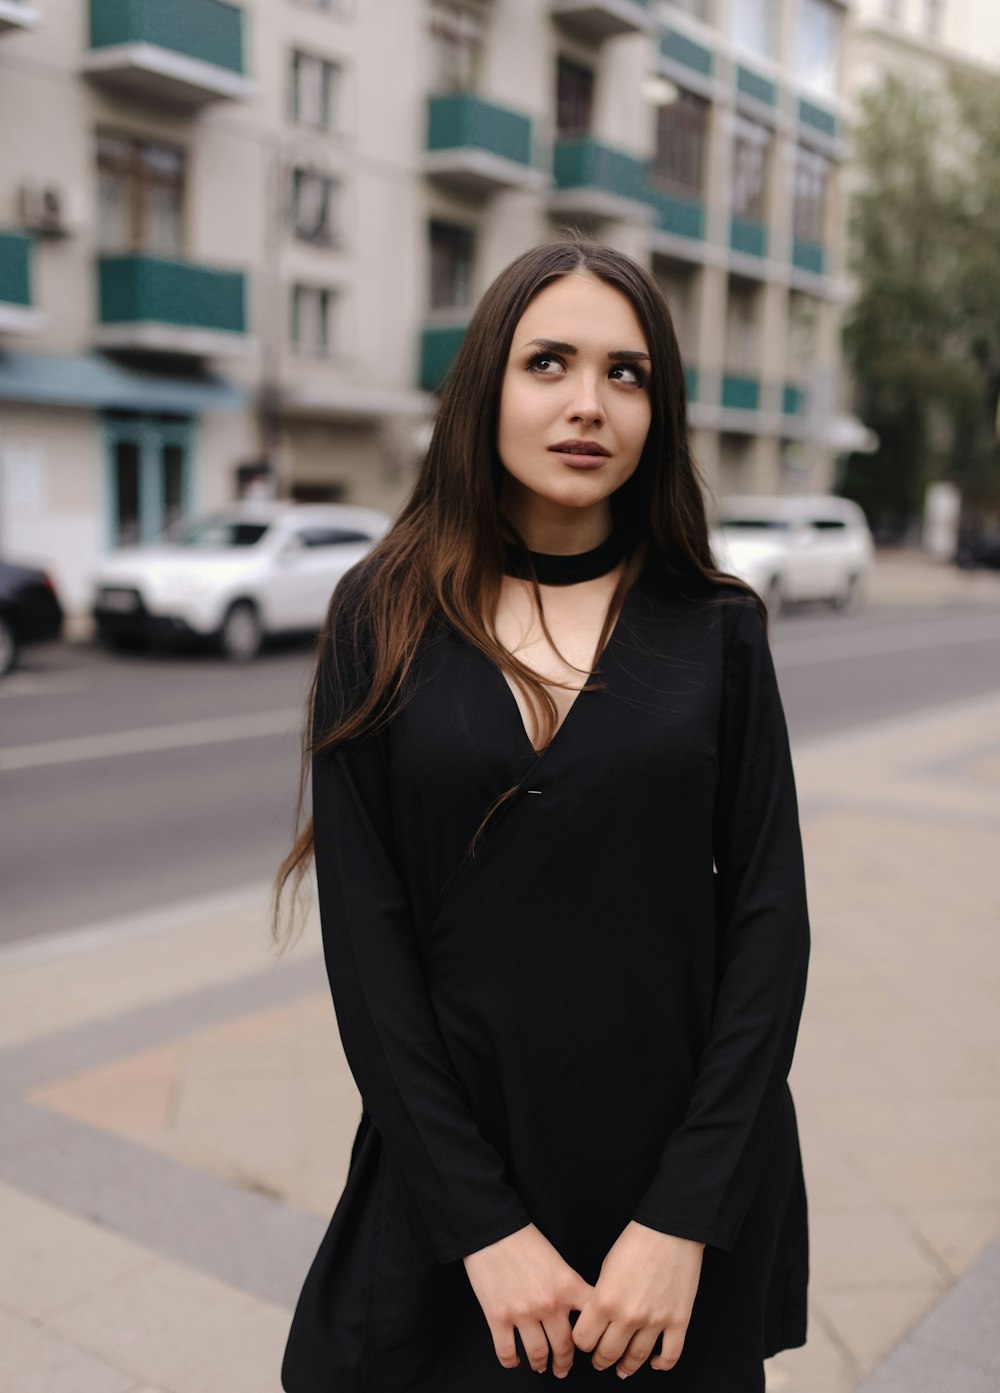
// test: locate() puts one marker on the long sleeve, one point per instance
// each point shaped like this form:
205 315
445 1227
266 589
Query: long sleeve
386 1021
713 1162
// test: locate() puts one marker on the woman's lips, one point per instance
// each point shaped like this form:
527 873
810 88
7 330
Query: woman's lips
579 461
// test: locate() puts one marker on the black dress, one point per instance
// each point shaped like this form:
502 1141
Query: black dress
581 1025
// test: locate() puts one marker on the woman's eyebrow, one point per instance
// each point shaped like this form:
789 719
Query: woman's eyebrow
615 354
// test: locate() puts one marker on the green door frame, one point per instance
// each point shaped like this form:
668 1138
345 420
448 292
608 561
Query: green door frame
150 434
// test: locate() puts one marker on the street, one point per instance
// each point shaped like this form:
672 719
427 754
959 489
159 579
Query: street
134 782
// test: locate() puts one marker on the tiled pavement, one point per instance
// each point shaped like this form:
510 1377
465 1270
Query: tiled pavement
176 1114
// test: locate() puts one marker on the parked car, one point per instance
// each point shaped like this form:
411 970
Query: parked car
978 549
30 611
796 548
234 577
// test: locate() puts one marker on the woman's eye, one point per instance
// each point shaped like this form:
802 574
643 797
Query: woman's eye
540 358
638 375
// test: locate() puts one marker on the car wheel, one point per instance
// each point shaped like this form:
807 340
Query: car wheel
241 634
849 599
773 596
8 647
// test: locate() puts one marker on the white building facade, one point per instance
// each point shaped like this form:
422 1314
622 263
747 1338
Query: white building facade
239 243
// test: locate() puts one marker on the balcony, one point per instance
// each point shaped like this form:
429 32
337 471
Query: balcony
740 393
680 217
678 48
596 181
438 347
819 119
477 148
793 400
151 304
17 312
747 237
185 53
757 88
17 14
593 21
808 257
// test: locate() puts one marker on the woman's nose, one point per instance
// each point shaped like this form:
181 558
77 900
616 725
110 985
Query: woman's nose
585 401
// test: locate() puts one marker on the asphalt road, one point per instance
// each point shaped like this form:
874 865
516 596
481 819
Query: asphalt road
132 782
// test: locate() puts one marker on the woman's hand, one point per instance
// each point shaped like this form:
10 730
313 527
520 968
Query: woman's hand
522 1281
647 1285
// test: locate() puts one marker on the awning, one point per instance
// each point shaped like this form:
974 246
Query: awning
90 379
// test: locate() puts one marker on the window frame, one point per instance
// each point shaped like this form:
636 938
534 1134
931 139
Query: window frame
138 179
692 102
459 232
328 298
332 78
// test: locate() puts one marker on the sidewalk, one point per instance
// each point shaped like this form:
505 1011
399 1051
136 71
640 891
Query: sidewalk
176 1116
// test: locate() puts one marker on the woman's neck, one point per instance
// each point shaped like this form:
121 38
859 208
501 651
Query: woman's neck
561 531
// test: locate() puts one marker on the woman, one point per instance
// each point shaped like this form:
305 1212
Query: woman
561 890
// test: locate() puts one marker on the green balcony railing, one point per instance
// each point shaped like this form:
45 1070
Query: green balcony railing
209 30
751 84
808 256
691 380
748 237
15 269
793 400
685 51
149 289
585 163
685 217
438 347
741 393
818 117
457 120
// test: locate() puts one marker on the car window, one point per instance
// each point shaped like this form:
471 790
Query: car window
755 524
828 524
216 532
329 536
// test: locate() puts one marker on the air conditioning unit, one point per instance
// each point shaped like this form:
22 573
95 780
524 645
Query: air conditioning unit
43 209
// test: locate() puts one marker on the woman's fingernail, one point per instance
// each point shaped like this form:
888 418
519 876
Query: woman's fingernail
621 1373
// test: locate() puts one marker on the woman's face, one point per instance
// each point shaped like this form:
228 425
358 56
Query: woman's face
574 402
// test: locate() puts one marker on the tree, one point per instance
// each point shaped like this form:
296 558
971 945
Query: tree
923 339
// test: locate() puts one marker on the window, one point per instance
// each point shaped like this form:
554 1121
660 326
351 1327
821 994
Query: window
140 195
803 330
681 135
698 9
330 536
933 15
316 207
751 156
751 25
817 44
148 464
742 328
315 89
574 98
451 265
312 320
812 178
457 33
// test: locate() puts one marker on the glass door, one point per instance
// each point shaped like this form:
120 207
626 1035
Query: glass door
149 468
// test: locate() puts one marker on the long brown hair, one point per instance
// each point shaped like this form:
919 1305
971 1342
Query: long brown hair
443 557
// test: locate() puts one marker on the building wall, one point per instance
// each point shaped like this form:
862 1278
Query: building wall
355 419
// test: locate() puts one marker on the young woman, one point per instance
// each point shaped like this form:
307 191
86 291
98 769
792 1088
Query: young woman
561 890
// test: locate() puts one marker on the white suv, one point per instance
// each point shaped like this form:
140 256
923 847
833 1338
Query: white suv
247 571
796 548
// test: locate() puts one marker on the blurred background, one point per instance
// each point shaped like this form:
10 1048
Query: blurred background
239 245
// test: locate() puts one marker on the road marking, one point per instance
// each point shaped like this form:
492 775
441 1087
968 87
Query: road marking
834 648
22 684
182 735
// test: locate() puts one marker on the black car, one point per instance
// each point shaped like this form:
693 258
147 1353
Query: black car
29 611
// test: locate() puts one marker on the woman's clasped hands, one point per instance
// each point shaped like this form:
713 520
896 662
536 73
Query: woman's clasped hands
646 1287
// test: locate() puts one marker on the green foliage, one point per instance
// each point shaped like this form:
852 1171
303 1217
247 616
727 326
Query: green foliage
923 340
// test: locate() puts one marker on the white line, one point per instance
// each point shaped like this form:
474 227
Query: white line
215 731
872 643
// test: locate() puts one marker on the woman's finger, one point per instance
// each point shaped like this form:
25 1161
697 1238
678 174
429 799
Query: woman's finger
503 1343
673 1343
611 1345
638 1350
536 1346
560 1336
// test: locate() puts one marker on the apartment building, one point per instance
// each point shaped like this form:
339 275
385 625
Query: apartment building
239 242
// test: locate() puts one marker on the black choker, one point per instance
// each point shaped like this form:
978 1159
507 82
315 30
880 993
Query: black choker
553 568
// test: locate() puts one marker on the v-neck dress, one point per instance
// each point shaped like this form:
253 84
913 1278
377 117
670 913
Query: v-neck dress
588 1021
